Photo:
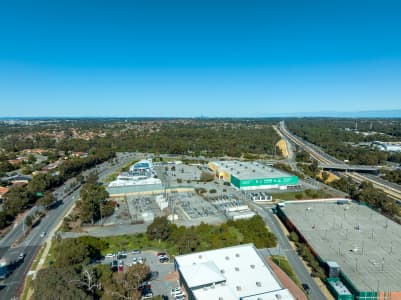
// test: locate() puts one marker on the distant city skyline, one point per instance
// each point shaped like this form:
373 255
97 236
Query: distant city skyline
199 58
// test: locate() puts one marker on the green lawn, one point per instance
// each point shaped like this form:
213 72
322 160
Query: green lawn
307 194
135 241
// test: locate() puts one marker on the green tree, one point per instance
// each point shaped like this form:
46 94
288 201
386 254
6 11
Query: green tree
189 241
28 221
31 159
47 199
69 252
325 176
92 197
160 229
206 176
54 283
92 178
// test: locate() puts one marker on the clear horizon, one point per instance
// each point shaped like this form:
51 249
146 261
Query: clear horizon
199 58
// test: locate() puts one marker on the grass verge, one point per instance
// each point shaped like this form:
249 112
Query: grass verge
38 256
27 287
307 194
136 241
284 265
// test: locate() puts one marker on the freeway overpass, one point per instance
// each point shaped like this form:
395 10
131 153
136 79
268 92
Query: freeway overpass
348 168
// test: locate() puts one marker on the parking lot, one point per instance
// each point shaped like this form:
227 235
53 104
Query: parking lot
160 284
180 174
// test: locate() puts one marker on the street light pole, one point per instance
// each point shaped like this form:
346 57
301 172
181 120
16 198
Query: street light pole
23 225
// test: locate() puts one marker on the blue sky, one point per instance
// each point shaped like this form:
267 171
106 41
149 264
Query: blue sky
191 58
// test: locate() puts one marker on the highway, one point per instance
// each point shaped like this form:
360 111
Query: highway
31 244
286 250
307 181
391 189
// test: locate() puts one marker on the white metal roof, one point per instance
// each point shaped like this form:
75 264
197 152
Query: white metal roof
245 272
218 292
274 295
127 181
201 274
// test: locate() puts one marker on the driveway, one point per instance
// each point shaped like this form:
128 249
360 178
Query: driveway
286 250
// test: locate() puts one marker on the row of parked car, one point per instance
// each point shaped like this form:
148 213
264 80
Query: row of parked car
177 293
122 254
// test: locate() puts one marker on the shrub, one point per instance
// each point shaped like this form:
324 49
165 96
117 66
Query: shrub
293 236
206 176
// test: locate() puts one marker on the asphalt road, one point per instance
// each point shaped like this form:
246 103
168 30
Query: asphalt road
285 249
33 241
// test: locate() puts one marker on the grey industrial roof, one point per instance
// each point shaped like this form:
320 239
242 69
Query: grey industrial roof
364 243
249 170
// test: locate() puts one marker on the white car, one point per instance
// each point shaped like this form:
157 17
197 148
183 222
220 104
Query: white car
179 297
110 255
134 261
42 234
175 290
140 260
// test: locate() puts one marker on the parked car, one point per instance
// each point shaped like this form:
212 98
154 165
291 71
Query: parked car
161 254
145 286
121 256
163 259
176 292
114 265
307 288
110 255
21 256
43 234
136 251
147 292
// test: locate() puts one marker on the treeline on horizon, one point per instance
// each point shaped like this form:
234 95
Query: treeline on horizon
207 138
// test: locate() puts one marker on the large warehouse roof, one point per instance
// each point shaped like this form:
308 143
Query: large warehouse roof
240 269
364 243
249 170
